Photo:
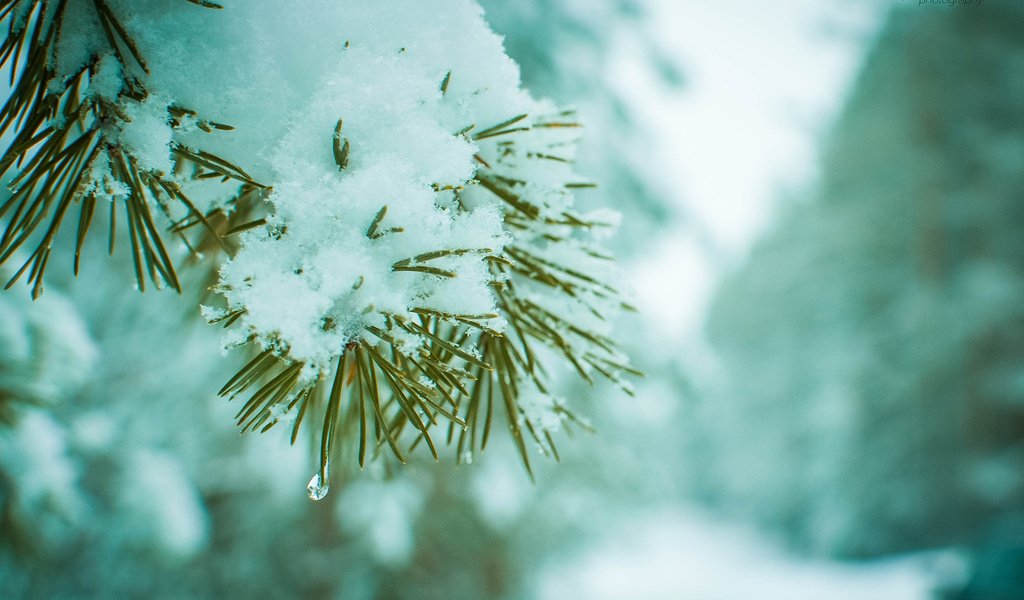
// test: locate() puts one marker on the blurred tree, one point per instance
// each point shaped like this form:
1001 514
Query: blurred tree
873 344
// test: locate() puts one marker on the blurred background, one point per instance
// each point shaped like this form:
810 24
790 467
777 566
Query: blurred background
822 225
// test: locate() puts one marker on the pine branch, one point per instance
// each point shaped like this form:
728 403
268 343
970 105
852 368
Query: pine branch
62 136
393 385
464 372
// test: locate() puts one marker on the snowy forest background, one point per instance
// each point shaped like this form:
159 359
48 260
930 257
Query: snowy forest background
822 210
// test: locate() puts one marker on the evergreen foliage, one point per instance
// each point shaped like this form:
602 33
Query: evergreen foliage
401 378
878 330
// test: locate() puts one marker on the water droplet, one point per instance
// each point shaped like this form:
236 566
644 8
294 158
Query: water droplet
318 486
467 457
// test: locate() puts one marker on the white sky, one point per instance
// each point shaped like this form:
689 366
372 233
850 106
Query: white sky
764 80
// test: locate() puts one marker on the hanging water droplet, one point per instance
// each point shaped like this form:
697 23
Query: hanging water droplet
467 457
318 487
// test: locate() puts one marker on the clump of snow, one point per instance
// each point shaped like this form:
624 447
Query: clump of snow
108 79
499 491
540 410
102 183
166 505
147 134
94 431
43 479
373 127
45 350
383 514
317 280
46 355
